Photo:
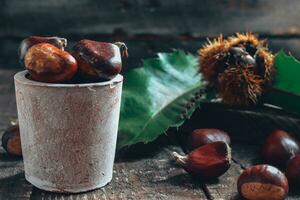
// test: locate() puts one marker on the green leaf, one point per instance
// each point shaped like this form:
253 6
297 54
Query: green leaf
287 73
285 91
155 96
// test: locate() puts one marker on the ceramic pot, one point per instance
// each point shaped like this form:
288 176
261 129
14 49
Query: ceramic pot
68 132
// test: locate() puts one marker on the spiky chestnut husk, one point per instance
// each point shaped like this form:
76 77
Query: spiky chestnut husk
258 49
239 86
248 41
212 57
247 80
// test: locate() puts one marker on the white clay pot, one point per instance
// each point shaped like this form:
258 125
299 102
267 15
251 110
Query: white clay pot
68 132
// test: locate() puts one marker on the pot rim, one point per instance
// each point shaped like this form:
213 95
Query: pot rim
21 78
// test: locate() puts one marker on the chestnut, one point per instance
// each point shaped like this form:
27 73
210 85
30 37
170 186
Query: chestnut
262 182
47 63
293 170
97 60
279 147
11 141
200 137
60 43
206 162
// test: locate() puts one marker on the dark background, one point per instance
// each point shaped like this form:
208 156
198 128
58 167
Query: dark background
147 26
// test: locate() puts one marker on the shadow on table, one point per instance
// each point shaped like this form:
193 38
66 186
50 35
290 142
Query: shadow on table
14 187
4 157
38 194
143 151
294 192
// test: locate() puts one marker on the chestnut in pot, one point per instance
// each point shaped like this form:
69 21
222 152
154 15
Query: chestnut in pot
47 63
263 182
279 147
98 60
200 137
60 43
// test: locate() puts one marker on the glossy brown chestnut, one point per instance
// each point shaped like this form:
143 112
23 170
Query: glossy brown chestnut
263 182
11 141
97 60
47 63
206 162
200 137
279 147
293 171
60 43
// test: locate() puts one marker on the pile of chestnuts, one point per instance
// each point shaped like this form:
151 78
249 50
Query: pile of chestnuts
283 150
263 182
47 61
210 157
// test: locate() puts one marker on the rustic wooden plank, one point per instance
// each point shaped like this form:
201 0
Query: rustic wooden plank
164 17
154 177
14 186
12 181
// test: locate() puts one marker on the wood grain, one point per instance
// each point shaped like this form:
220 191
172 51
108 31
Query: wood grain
199 18
147 26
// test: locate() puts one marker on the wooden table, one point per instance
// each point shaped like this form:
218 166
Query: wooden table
147 27
140 172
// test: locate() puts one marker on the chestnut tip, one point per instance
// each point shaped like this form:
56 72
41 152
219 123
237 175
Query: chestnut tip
179 158
123 48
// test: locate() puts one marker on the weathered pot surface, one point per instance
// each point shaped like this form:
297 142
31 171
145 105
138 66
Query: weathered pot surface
68 132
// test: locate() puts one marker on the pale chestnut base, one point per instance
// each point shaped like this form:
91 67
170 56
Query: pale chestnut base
262 191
